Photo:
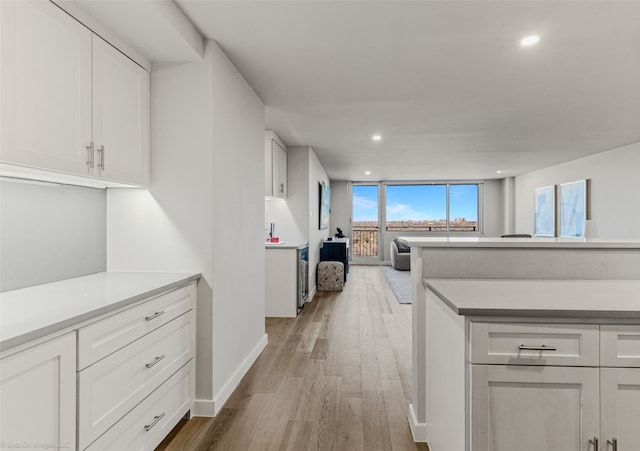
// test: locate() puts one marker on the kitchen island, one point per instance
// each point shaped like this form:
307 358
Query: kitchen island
532 364
502 258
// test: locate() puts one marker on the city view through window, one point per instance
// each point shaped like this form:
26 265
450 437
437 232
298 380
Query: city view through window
411 208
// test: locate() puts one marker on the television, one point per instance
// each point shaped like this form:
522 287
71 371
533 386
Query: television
324 196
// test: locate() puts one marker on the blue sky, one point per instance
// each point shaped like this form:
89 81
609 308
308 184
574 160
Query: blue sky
416 202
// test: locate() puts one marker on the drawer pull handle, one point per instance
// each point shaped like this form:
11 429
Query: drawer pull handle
148 427
614 443
594 441
154 316
156 360
536 348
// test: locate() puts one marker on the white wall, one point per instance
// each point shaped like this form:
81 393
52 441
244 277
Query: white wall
203 212
615 193
494 208
238 213
340 207
50 233
317 174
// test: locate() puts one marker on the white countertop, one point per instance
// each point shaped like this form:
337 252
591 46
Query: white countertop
285 245
487 242
543 298
34 312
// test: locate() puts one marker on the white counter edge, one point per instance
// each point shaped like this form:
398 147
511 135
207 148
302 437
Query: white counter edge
73 321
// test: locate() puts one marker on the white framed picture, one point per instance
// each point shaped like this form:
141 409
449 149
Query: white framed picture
573 208
545 211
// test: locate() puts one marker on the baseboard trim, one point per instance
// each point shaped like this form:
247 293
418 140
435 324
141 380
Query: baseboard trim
203 408
418 430
211 407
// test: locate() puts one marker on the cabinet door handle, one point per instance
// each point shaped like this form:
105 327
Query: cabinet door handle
154 361
614 443
536 348
594 441
101 160
90 155
148 427
154 316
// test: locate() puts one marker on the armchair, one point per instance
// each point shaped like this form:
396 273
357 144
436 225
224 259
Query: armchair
400 255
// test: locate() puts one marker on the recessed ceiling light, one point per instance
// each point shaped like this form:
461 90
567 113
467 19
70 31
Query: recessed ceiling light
376 137
530 40
367 172
498 171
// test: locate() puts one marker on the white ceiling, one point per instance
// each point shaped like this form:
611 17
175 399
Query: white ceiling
445 83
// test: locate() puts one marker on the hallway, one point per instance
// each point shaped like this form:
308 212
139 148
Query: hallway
337 377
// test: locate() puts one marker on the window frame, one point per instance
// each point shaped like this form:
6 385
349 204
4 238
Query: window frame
447 184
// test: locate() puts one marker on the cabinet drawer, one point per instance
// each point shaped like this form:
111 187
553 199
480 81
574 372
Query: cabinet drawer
111 387
100 339
150 421
620 346
534 344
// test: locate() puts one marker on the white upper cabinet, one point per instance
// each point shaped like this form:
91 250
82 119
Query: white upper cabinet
120 115
275 155
46 88
71 103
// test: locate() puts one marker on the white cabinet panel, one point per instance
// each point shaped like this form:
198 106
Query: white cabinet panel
146 426
113 386
38 393
71 103
533 408
281 297
534 344
101 338
46 87
120 115
620 408
620 346
275 156
279 156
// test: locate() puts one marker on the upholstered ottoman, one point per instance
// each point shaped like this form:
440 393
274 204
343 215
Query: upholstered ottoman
330 276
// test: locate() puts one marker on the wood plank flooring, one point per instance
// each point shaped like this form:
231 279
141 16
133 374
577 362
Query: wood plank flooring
337 377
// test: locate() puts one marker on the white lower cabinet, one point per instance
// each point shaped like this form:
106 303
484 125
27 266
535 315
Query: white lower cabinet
531 408
113 386
38 396
532 403
151 421
620 409
140 369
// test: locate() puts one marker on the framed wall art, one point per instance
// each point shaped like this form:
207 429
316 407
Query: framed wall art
324 198
545 211
573 208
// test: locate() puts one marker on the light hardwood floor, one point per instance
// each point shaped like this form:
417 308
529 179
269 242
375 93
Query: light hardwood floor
337 377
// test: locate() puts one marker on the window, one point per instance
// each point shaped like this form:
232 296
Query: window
432 207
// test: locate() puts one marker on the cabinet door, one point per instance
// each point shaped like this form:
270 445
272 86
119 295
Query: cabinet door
120 116
46 87
38 392
279 156
532 408
620 346
620 408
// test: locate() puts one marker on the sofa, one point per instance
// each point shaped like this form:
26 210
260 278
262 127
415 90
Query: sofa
400 254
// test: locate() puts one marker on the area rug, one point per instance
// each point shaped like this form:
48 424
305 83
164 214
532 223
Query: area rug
400 283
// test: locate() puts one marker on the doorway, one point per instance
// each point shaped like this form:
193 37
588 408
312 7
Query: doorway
365 224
